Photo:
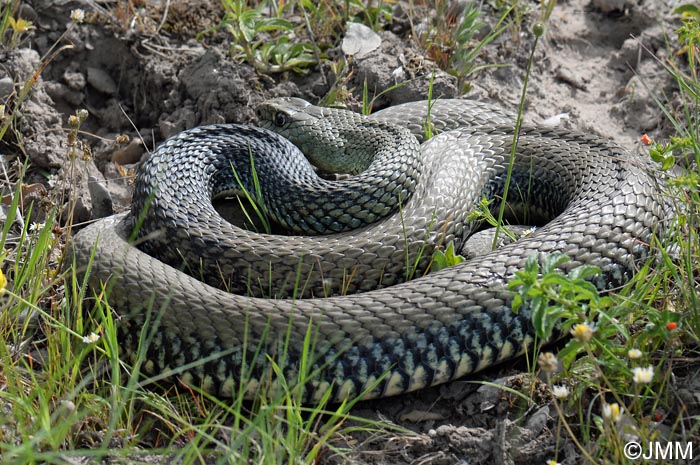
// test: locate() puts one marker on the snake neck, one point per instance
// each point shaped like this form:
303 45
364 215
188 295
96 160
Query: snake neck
340 141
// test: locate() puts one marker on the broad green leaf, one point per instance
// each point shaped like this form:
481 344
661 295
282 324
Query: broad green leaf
273 24
688 11
442 260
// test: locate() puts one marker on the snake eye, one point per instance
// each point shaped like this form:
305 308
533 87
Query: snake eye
281 119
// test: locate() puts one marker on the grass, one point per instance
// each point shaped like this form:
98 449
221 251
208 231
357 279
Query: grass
65 390
627 348
69 393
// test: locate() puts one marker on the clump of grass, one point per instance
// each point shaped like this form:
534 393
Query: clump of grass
72 394
452 41
619 366
65 390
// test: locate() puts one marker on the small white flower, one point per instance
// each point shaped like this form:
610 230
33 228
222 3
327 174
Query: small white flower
77 16
2 111
634 354
35 227
582 332
91 338
612 412
560 392
643 375
553 462
548 362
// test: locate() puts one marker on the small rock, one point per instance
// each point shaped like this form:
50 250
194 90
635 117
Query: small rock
360 41
58 91
28 13
81 211
538 421
26 63
489 395
129 154
630 53
471 439
43 146
167 128
7 86
376 70
16 218
101 81
554 121
102 205
415 416
74 79
570 78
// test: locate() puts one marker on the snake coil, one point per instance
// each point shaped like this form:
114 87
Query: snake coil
389 335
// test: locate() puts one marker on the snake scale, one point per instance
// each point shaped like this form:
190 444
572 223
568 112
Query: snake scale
388 335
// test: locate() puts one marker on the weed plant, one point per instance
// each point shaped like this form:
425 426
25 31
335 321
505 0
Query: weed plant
625 350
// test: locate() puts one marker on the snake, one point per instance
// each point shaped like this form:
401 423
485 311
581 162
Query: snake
343 302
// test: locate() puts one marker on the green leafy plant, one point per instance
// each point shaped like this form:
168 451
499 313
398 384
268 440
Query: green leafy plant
451 42
603 355
442 260
326 21
463 60
373 15
688 11
254 200
15 27
264 42
555 298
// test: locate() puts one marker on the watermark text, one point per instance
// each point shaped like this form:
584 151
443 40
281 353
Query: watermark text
654 450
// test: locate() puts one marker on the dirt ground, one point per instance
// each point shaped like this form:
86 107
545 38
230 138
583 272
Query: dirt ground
595 70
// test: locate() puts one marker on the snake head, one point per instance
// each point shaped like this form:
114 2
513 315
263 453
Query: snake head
305 125
283 113
334 140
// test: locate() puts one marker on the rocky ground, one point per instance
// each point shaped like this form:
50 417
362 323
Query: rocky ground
146 78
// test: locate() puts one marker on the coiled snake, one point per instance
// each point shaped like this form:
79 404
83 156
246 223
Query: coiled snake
389 335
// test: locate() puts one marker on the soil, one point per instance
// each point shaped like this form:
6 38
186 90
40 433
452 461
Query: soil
597 69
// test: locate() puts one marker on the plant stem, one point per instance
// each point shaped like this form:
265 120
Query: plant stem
516 134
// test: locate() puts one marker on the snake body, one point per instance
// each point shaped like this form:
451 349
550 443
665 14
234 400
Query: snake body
390 335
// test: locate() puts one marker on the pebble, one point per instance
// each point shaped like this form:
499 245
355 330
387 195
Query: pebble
58 91
28 13
7 86
554 121
101 200
630 53
568 77
129 154
360 41
101 81
75 80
